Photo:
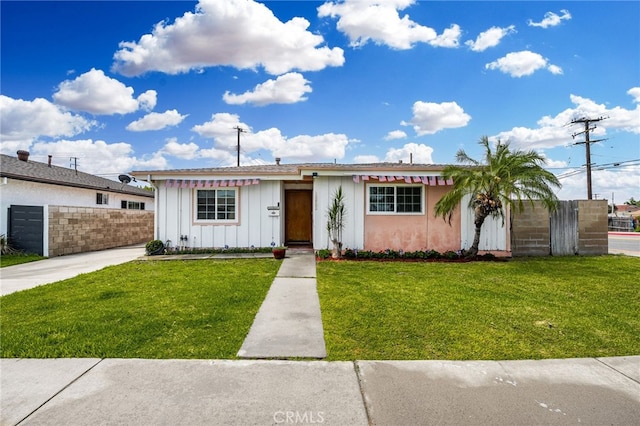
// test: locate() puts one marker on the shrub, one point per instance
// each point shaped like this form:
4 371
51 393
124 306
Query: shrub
154 247
450 255
323 254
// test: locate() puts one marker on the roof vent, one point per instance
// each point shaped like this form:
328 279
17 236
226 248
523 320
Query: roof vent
23 155
277 161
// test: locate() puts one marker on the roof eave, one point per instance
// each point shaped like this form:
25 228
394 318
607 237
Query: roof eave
73 185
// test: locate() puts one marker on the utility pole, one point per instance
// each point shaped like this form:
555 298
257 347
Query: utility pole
240 130
587 143
75 163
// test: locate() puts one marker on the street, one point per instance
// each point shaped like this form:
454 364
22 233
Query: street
624 243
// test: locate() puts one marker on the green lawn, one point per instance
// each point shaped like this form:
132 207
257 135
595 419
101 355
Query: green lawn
16 259
176 309
522 309
527 308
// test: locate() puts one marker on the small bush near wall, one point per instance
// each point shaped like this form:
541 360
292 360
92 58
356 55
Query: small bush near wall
400 255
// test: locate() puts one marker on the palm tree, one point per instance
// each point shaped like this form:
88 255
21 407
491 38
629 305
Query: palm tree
504 178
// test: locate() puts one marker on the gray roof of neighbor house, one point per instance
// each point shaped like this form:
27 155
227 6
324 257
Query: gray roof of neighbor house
296 169
33 171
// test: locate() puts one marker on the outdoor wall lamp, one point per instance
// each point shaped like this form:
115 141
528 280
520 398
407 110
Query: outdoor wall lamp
314 174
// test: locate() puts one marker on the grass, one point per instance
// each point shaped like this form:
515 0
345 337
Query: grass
522 309
177 309
16 259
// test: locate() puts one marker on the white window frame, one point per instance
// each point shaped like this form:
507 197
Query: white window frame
236 211
395 199
102 198
132 205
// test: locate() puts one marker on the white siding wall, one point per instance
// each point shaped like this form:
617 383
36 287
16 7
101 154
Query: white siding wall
493 235
323 191
26 193
175 217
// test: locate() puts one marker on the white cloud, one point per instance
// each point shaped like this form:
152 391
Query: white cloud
97 157
156 121
186 151
552 131
311 148
450 37
395 134
286 89
239 33
551 19
147 100
418 153
366 159
299 148
555 164
489 38
635 92
96 93
429 118
519 64
21 122
222 157
554 69
618 117
221 128
379 21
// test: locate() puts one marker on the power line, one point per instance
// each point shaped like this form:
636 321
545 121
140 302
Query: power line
606 166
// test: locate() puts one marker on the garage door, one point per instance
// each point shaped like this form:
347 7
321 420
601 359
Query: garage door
26 228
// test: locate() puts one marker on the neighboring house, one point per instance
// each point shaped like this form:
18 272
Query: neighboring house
388 205
627 210
625 218
53 210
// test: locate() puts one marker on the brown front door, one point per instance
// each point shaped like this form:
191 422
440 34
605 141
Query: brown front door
297 216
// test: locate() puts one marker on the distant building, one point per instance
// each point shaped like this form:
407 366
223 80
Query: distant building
52 210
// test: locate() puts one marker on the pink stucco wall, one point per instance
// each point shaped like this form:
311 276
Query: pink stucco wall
413 232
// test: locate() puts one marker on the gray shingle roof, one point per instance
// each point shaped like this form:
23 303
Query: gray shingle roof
34 171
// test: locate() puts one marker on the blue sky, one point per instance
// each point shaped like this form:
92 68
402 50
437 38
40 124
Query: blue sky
154 85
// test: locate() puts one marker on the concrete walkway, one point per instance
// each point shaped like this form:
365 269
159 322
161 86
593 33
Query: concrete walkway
289 323
256 392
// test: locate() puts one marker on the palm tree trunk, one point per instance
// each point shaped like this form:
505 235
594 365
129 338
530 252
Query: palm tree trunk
479 220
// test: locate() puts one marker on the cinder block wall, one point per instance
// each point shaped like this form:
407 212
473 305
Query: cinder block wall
530 231
82 229
593 237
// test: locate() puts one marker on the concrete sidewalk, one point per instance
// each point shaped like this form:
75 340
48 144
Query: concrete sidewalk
257 392
289 323
28 275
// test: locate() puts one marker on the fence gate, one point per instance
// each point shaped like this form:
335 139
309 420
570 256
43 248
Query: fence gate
26 228
564 229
